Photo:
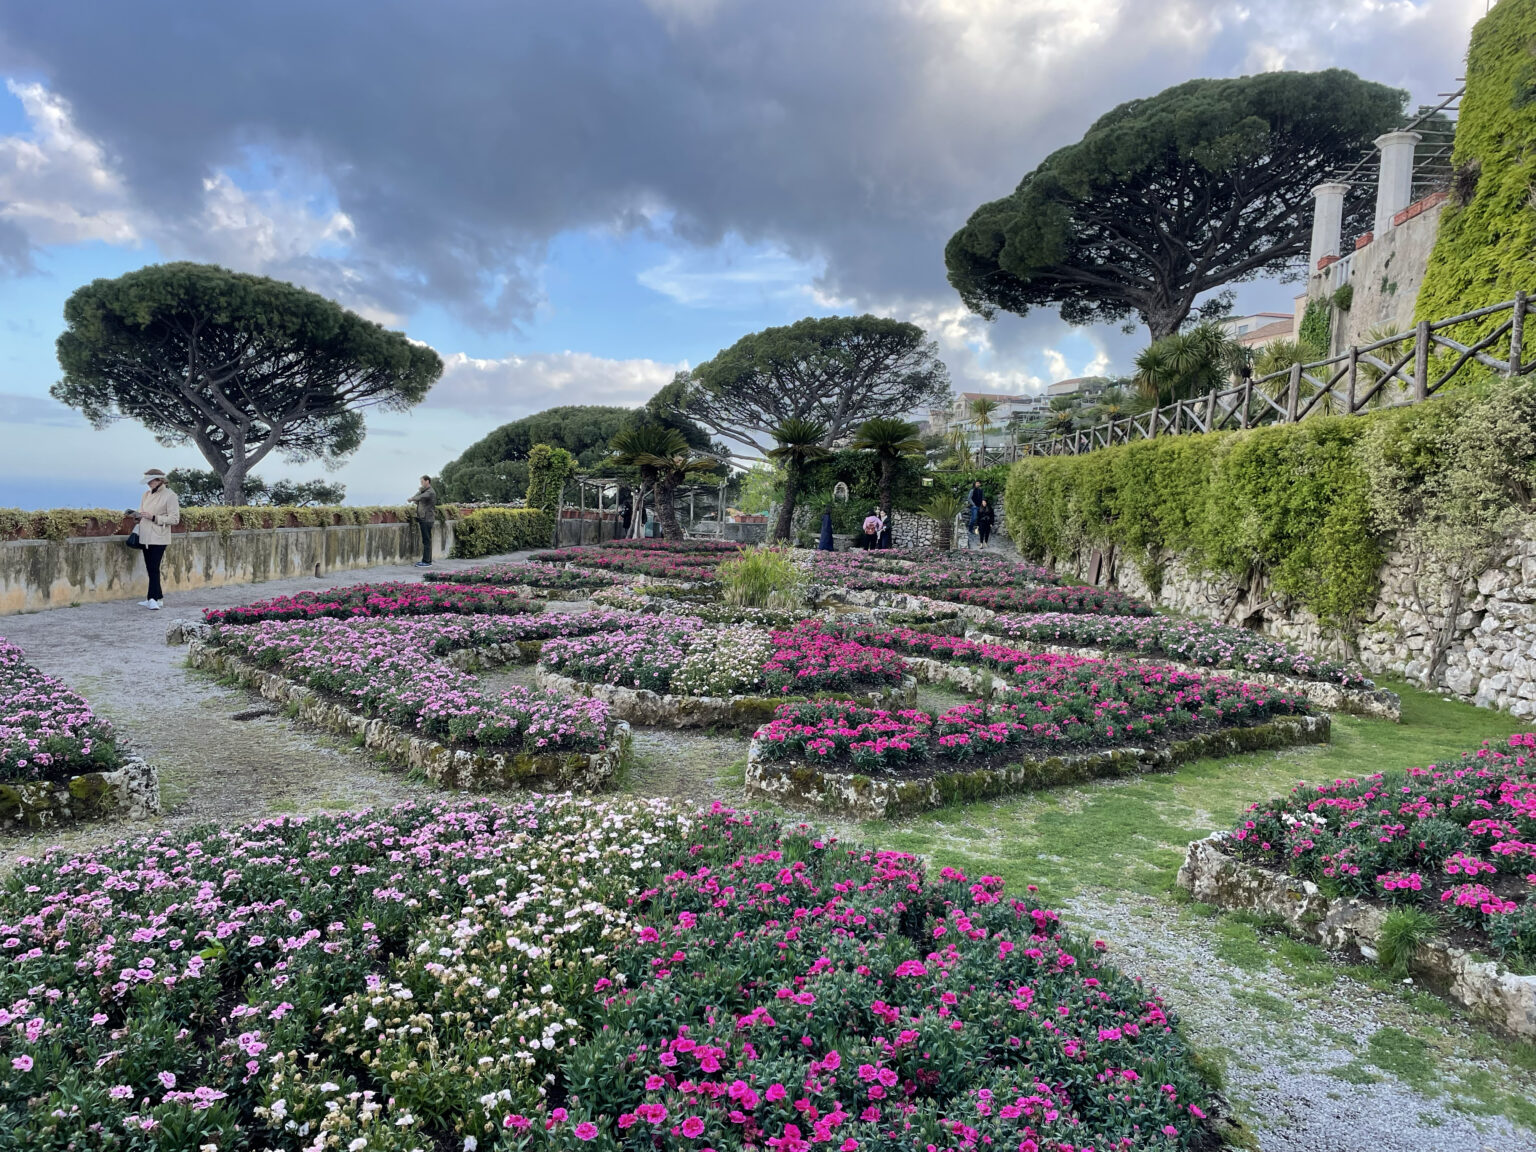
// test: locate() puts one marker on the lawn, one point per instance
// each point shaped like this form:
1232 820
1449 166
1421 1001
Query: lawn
1131 834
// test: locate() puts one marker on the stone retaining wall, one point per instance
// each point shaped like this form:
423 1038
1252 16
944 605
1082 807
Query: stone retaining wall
868 798
131 792
1476 642
38 574
447 767
665 710
1343 923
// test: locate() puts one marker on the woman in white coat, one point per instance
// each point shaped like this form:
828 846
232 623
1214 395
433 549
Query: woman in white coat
159 511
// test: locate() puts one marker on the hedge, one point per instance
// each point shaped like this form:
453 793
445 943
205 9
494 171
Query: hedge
1485 250
491 531
1312 505
58 523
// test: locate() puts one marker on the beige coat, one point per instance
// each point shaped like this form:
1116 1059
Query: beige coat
158 511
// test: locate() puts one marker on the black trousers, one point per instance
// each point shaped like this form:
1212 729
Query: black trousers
426 540
986 532
153 554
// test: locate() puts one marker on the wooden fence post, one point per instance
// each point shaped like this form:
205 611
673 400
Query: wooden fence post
1293 399
1517 335
1354 370
1421 362
1152 423
1247 400
1210 411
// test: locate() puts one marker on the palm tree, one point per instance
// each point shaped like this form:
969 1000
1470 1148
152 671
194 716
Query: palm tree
1186 364
1062 417
944 507
959 448
889 438
664 459
799 442
981 408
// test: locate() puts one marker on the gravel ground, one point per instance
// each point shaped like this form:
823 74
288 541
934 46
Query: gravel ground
1314 1061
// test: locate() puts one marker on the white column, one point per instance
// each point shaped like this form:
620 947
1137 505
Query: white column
1327 221
1394 186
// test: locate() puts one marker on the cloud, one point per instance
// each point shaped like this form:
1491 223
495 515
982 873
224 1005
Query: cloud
733 275
515 386
457 140
19 408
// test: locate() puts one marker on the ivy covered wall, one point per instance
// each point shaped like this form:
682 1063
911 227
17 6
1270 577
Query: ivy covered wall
1486 247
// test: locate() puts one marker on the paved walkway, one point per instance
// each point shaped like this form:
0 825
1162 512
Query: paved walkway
212 766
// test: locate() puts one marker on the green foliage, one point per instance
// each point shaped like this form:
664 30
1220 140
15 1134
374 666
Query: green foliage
758 487
1316 327
548 470
491 531
1403 930
273 366
204 488
994 480
1217 173
1343 297
1183 365
1311 506
1485 249
798 443
835 370
761 578
944 507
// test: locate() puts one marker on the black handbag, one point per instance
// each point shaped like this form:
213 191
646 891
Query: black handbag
133 539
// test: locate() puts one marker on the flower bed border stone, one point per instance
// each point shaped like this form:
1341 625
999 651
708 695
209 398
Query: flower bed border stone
444 766
868 798
1345 923
669 710
130 791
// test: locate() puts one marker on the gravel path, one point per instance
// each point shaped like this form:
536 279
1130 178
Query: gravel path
213 767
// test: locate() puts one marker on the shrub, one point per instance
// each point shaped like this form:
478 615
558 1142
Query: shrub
761 578
489 531
1402 932
548 470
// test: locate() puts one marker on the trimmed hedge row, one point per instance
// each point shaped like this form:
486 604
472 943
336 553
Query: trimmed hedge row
491 531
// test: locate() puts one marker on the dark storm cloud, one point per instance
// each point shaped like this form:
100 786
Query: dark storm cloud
460 135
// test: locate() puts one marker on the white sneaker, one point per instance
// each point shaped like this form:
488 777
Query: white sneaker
146 603
154 605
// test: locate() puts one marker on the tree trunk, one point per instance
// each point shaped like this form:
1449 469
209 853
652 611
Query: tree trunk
234 482
787 512
665 512
887 466
1165 321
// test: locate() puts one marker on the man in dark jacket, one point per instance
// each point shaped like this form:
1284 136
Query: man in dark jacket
426 517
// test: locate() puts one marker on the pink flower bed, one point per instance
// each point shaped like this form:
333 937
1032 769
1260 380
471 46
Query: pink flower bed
361 600
809 659
1458 838
1075 598
47 730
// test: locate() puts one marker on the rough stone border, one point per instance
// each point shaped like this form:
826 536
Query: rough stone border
665 710
1377 703
865 797
1211 876
129 792
444 766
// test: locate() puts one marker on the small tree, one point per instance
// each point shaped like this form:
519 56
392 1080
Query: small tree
548 470
944 507
238 365
1187 364
799 442
674 461
981 409
889 438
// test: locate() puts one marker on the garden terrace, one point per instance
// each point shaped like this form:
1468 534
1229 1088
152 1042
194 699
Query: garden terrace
526 574
601 974
917 570
395 599
47 730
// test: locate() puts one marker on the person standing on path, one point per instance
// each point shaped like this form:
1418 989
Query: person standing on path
426 518
978 498
871 537
824 544
984 521
159 511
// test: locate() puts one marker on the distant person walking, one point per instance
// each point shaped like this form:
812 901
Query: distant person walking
871 537
885 529
984 520
824 544
973 512
426 519
159 511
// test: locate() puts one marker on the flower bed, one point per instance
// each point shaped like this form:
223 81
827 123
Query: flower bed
425 979
1457 839
672 563
675 654
1191 641
920 569
392 599
392 672
526 574
47 730
1074 599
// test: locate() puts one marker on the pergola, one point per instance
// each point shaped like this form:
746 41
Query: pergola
598 488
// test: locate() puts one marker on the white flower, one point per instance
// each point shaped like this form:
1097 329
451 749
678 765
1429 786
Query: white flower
360 1142
279 1109
329 1087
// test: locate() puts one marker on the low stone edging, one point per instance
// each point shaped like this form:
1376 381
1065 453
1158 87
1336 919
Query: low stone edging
666 710
444 766
865 797
1212 877
1374 702
128 792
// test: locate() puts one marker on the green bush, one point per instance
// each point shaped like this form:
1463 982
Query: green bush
1485 250
1403 930
548 470
761 578
490 531
1312 505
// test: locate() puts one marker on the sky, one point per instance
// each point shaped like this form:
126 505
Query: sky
572 199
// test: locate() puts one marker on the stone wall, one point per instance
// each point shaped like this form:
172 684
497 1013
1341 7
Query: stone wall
1386 274
130 792
38 574
1478 644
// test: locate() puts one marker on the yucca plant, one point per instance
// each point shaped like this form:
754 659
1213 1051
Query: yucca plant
944 507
